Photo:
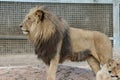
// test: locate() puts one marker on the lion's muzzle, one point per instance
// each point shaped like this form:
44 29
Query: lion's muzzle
20 26
25 31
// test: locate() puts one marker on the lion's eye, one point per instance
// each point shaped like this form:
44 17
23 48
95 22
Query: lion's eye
109 64
29 18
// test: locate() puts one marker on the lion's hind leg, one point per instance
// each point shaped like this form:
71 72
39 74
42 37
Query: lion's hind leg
94 64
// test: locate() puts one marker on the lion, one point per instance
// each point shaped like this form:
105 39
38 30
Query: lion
107 72
103 74
114 69
55 41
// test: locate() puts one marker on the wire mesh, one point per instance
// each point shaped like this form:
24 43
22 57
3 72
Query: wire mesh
86 16
8 47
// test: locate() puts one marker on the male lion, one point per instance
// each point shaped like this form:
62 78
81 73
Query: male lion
55 41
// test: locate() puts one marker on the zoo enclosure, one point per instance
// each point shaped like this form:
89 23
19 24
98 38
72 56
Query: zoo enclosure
100 15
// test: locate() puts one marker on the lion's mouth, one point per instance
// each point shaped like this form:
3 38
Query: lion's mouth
25 32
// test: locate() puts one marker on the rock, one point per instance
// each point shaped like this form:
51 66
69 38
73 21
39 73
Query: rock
74 73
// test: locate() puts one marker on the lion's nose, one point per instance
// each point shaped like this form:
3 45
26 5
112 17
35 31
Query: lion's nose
20 26
117 76
110 71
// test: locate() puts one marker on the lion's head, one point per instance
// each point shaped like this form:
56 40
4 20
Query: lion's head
113 67
41 23
116 69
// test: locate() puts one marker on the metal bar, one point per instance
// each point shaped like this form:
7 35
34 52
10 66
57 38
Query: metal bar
23 37
12 37
116 33
64 1
118 1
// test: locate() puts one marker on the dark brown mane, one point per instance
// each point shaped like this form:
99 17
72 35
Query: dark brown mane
46 48
66 49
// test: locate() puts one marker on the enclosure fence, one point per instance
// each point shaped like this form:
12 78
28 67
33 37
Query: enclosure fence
99 15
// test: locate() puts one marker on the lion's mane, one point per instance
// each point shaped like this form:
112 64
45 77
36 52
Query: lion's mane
49 32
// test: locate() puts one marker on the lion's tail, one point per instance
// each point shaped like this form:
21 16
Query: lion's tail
81 56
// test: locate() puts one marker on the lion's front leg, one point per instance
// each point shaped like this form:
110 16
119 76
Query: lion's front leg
52 68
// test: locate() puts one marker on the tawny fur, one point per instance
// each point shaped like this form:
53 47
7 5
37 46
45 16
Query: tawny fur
52 36
103 74
114 68
109 71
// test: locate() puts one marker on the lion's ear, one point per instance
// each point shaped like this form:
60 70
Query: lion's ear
40 14
110 60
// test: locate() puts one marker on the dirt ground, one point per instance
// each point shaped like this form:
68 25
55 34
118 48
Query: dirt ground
28 67
39 73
